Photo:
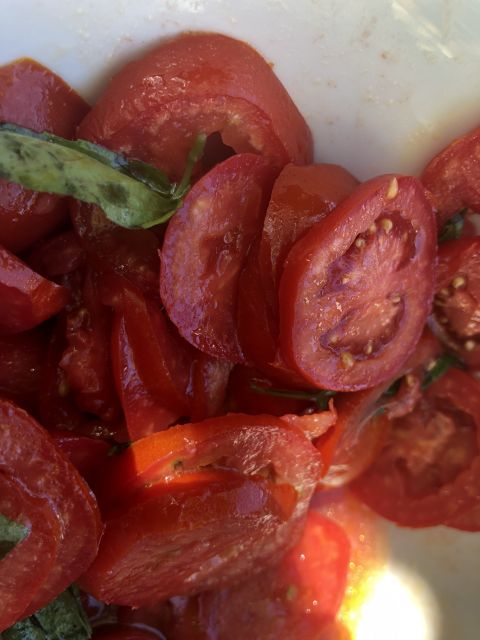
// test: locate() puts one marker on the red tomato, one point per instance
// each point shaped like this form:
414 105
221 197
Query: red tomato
204 249
429 469
25 568
453 177
198 83
21 360
26 299
57 256
28 455
301 197
86 359
341 326
467 521
457 303
209 386
88 455
263 471
34 97
125 632
151 366
296 599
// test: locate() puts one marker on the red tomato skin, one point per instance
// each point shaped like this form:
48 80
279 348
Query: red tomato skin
24 569
457 303
209 386
125 632
317 257
204 249
88 455
198 82
34 97
453 177
21 359
57 256
384 489
26 299
28 454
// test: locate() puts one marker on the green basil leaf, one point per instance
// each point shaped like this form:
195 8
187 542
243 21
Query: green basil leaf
453 228
320 398
62 619
441 365
11 533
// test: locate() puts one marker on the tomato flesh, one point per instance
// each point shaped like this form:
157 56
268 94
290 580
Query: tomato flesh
341 326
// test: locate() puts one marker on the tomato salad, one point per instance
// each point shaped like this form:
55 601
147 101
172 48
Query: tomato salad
204 338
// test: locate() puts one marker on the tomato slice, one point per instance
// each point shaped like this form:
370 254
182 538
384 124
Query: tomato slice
198 83
184 535
88 455
204 249
34 97
429 469
152 365
28 454
26 299
24 569
457 303
453 176
125 632
209 386
341 326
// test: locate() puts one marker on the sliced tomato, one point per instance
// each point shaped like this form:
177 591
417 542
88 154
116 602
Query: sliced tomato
88 455
204 249
86 359
429 469
25 568
341 326
301 197
21 360
198 83
125 632
32 96
57 256
453 177
457 303
26 299
209 386
152 366
29 455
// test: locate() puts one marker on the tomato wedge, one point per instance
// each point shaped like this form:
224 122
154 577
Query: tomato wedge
198 83
29 456
204 249
209 386
88 455
24 569
26 299
457 303
341 326
34 97
21 359
453 177
429 469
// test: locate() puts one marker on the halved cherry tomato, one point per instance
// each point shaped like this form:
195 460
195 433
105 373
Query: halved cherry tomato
429 469
32 96
125 632
204 249
29 456
25 568
151 365
198 83
88 455
457 303
57 256
86 359
341 325
26 299
453 177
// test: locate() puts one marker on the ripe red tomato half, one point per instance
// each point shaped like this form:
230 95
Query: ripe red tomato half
296 599
204 250
457 303
34 97
429 470
342 326
29 456
26 299
236 482
198 83
453 177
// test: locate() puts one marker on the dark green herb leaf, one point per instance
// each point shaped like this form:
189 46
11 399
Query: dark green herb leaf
442 365
320 398
62 619
118 448
11 533
453 228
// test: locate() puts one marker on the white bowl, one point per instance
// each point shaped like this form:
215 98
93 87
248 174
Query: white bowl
383 84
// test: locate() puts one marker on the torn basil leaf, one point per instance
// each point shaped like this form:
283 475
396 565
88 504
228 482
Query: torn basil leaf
453 228
133 194
320 398
11 533
62 619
